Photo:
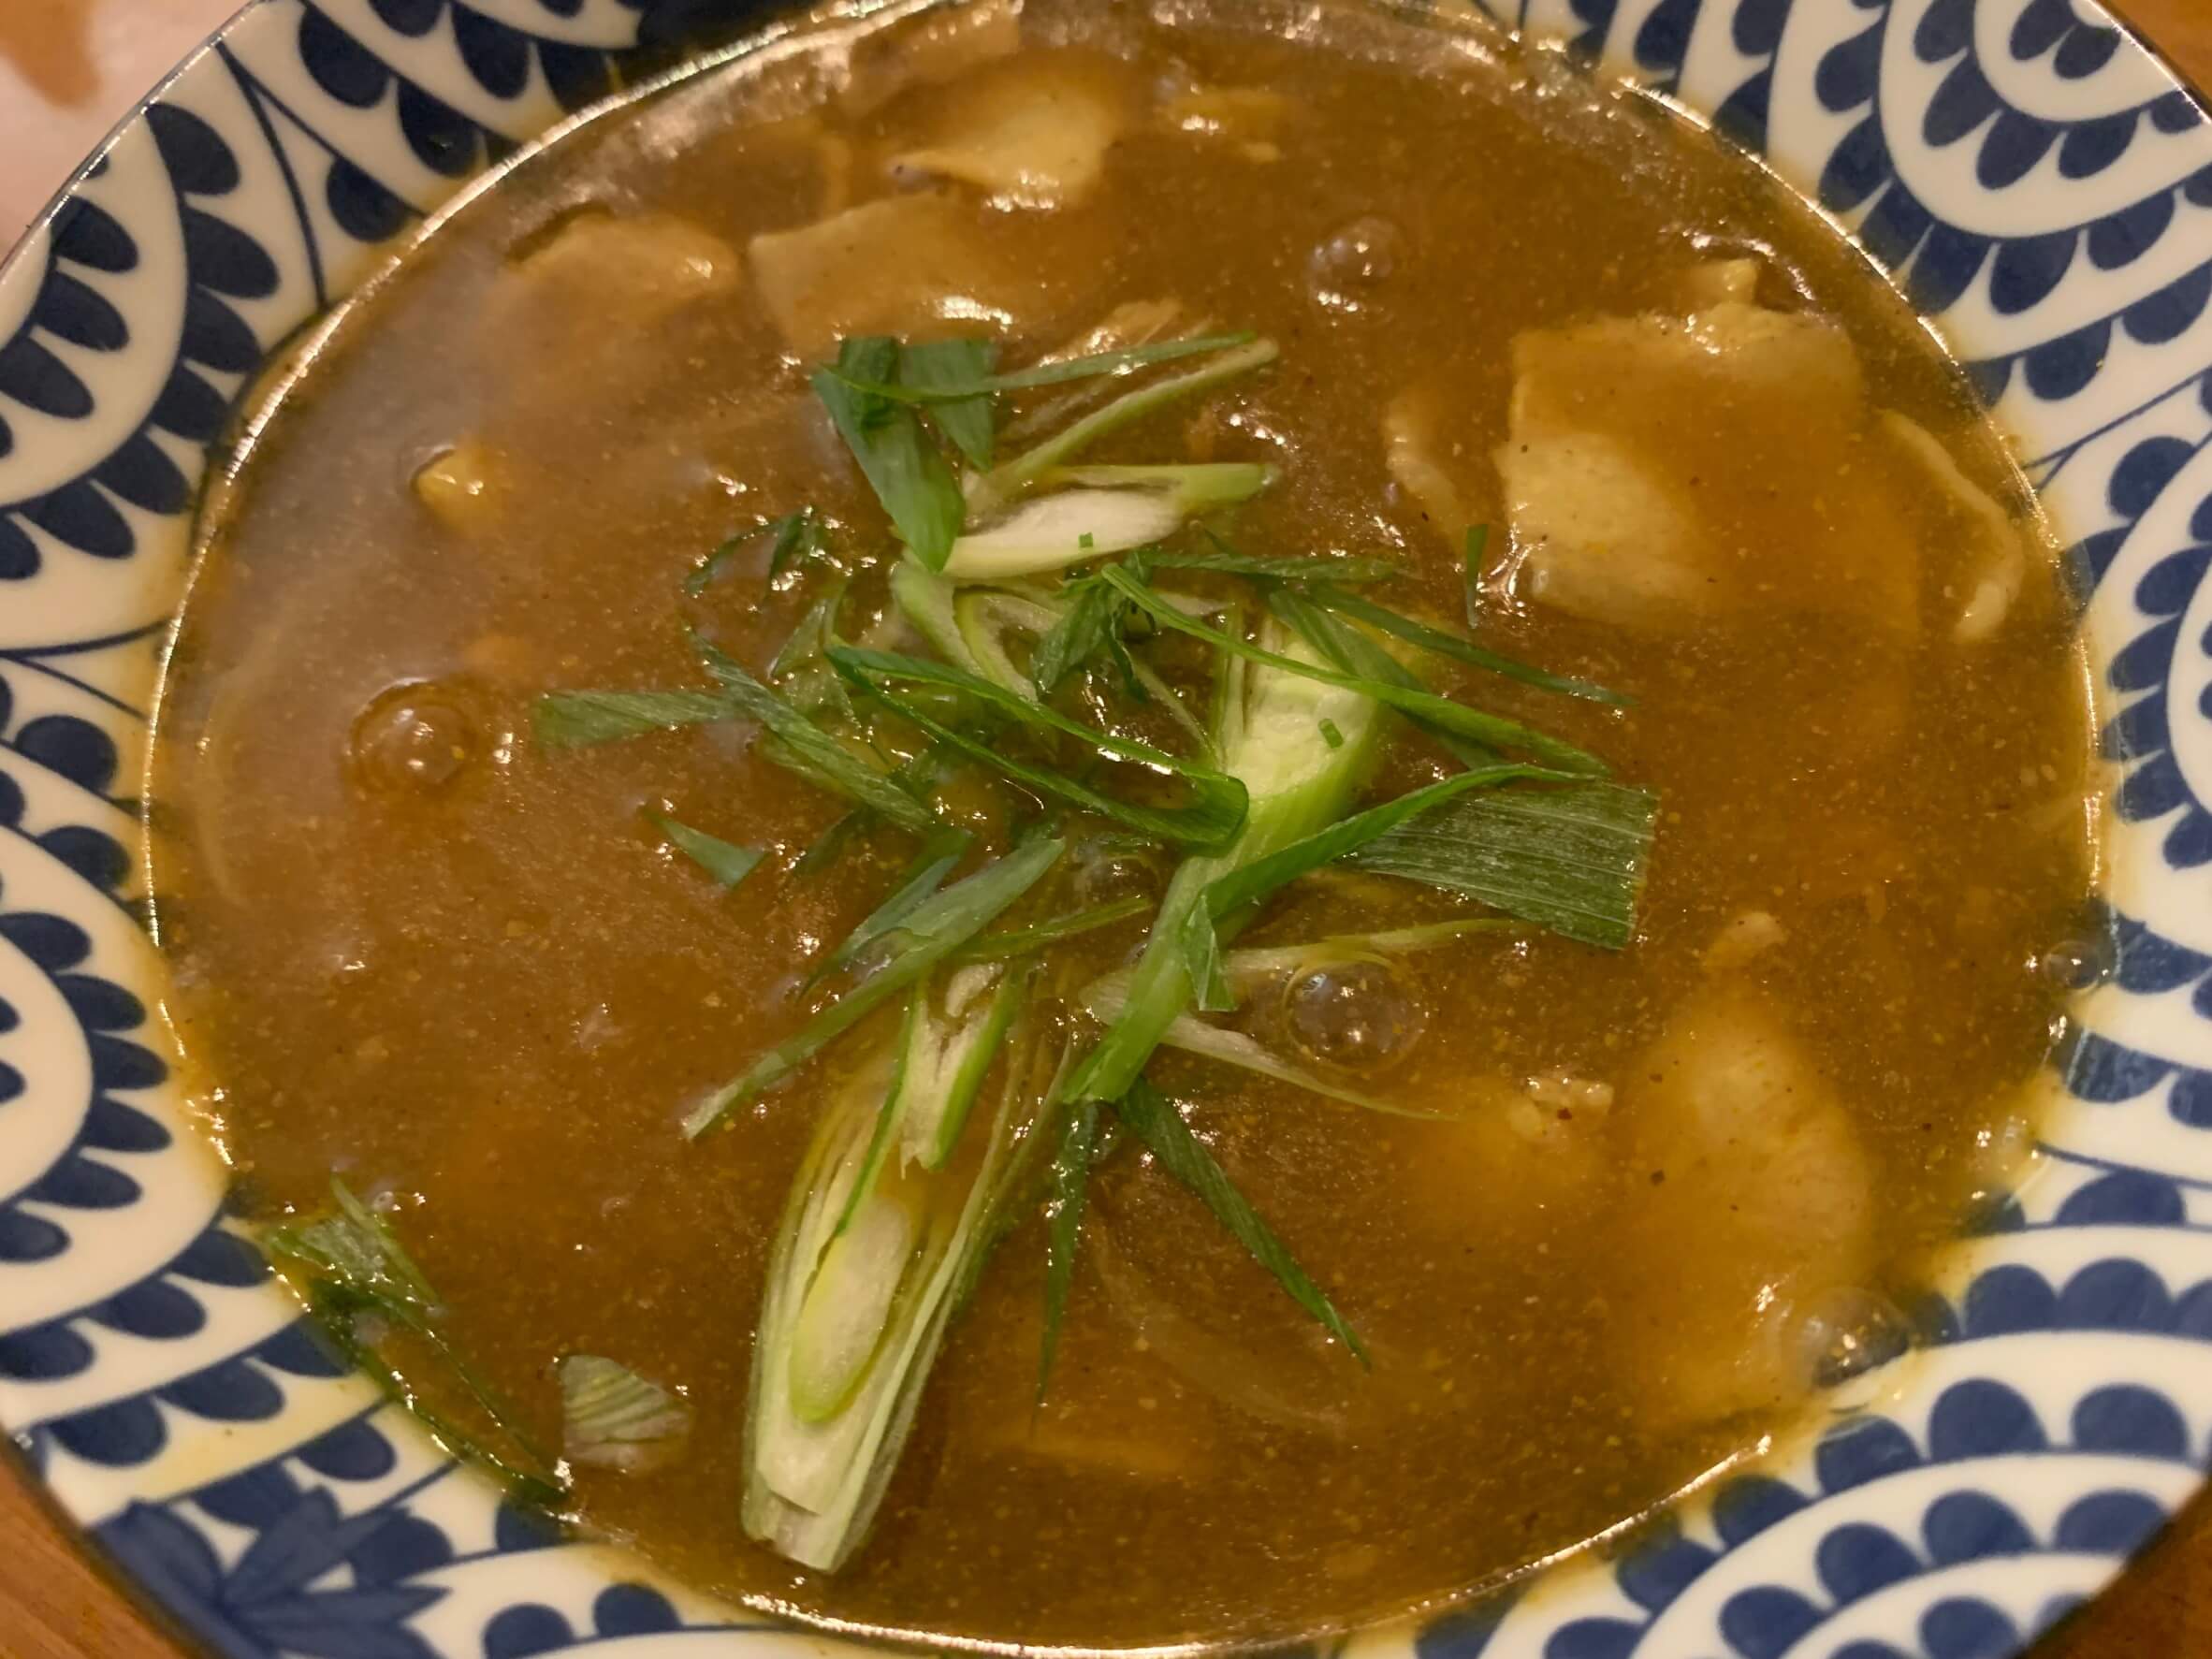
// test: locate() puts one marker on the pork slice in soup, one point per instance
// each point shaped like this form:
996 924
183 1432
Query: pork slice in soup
1039 827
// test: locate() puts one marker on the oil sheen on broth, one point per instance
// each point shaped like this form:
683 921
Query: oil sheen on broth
1731 477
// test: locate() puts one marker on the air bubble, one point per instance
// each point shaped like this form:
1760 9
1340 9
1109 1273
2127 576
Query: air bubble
1359 1015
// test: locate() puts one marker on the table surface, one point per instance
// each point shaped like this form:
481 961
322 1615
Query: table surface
68 69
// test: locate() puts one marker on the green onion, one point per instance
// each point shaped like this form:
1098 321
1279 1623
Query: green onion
852 1319
986 616
352 1266
799 659
902 466
1182 1155
1194 488
941 849
577 719
822 757
793 537
931 932
1211 819
1453 717
1054 531
1063 1227
926 600
1079 635
1331 735
989 491
613 1418
1267 729
1105 998
1355 651
727 864
983 383
1572 860
948 1053
1023 941
1258 878
1445 645
945 373
1296 568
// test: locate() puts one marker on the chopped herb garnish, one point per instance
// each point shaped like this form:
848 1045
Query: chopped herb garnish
951 376
794 537
1331 735
352 1269
1159 1124
1088 541
1260 877
983 383
1211 817
1063 1226
1023 941
1459 650
578 719
727 864
816 755
1296 568
932 931
1003 483
903 466
1570 859
941 849
1442 711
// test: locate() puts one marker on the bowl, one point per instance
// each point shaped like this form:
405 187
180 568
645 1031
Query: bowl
2038 183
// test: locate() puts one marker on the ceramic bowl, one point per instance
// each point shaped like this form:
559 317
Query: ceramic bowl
2039 185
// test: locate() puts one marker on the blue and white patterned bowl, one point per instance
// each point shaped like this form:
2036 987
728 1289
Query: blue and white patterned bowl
2042 188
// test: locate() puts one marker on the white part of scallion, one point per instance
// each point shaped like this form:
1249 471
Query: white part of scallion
1269 738
852 1318
949 1052
1054 531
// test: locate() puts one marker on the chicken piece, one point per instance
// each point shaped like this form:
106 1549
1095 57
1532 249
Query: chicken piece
1128 325
1757 1204
905 265
1414 454
940 45
1032 134
1665 471
1993 556
634 269
1531 1163
1718 281
1743 935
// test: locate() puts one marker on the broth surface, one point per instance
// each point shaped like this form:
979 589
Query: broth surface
412 947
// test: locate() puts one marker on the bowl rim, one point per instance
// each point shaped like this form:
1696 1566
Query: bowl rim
1464 1634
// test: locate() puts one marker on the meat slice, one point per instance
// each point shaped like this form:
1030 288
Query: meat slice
1662 470
906 265
1759 1206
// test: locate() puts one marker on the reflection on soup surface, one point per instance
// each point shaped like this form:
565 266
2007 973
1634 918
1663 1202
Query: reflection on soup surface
1084 826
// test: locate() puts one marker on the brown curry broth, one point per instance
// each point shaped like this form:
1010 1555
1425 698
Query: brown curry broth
495 999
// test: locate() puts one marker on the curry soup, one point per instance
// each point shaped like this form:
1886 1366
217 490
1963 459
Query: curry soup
556 700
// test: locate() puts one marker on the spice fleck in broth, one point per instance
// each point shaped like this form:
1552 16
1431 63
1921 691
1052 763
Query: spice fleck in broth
1432 1201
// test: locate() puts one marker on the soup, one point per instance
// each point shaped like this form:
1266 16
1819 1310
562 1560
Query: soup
1091 828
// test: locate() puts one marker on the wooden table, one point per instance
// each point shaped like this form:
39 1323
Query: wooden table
69 68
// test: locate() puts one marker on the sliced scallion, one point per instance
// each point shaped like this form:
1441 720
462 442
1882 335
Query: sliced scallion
931 932
1210 817
613 1418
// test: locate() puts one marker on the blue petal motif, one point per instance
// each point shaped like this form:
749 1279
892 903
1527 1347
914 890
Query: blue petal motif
1972 1526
